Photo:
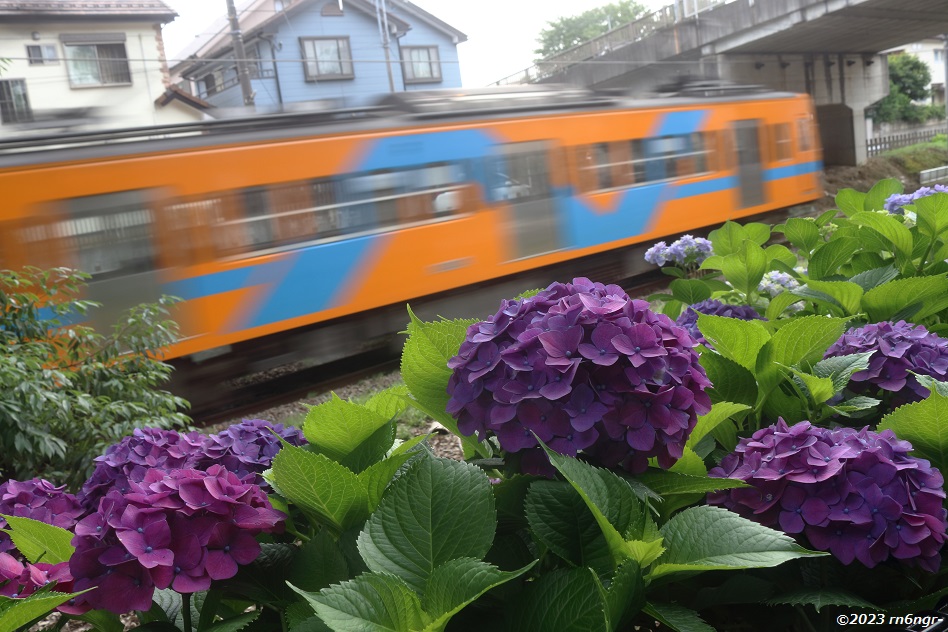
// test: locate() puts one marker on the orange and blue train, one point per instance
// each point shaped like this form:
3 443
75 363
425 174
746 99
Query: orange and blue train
301 236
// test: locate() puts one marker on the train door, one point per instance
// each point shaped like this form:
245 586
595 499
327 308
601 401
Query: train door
749 173
521 175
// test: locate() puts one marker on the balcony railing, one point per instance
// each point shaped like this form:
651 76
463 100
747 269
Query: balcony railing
255 73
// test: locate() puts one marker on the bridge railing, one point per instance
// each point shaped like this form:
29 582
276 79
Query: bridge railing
616 38
876 146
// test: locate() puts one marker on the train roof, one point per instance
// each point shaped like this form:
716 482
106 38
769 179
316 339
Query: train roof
394 110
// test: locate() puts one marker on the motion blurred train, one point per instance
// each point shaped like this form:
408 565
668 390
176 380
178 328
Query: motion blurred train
302 236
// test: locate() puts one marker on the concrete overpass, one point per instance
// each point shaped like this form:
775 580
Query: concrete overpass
826 48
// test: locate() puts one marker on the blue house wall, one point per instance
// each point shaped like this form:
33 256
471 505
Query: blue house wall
287 80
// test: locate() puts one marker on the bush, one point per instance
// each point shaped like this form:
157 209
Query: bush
67 392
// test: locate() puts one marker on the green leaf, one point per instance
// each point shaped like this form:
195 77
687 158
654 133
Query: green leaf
233 624
732 382
690 291
735 339
559 518
18 612
879 193
848 295
38 541
875 277
821 598
625 596
457 583
924 424
855 404
668 483
779 304
840 368
805 339
425 371
711 538
932 384
745 268
757 232
677 617
728 239
439 510
850 201
802 233
819 388
931 214
719 412
376 478
391 402
372 602
778 253
319 564
561 600
892 230
325 490
349 433
884 301
828 258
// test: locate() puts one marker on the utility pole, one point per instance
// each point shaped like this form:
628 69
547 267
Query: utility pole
381 15
243 72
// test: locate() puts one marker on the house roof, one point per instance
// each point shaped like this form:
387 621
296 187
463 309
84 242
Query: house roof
173 93
127 9
216 39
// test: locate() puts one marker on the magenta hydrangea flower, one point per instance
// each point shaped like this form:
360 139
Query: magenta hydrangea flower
19 579
689 318
900 349
40 500
585 368
855 493
181 529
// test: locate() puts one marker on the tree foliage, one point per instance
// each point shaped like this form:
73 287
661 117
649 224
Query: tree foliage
909 78
570 31
67 392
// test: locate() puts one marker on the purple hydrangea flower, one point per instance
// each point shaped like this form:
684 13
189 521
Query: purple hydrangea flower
687 251
20 579
774 282
180 529
689 318
40 500
896 202
585 368
899 348
854 493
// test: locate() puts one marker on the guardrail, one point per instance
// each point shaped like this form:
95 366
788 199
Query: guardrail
876 146
933 176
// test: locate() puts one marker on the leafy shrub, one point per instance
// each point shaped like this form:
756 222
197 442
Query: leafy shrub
66 392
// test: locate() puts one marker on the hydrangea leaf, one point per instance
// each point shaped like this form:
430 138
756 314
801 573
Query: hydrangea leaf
714 262
804 340
855 404
780 254
846 294
879 193
735 339
391 402
319 564
745 268
820 389
668 483
346 431
677 617
875 277
625 596
377 477
711 538
439 510
15 613
882 302
802 233
457 583
719 412
892 230
931 383
781 403
850 201
372 602
264 579
757 232
320 487
829 257
727 239
559 518
931 213
690 291
840 368
924 424
779 304
820 599
732 382
233 624
561 600
38 541
425 372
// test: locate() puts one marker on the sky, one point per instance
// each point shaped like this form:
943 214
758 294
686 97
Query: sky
501 33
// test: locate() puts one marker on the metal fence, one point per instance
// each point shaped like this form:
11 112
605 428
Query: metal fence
876 146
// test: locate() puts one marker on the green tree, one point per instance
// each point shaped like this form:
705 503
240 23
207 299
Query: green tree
67 392
908 82
567 32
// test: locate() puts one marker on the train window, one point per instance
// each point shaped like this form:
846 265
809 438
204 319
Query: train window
110 235
639 160
804 134
184 228
780 133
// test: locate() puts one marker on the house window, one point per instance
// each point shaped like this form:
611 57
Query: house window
326 58
422 64
42 54
14 102
96 63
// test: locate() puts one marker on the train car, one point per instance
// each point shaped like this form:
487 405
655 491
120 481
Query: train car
299 236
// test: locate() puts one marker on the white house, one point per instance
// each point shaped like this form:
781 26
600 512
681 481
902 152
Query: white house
931 51
79 64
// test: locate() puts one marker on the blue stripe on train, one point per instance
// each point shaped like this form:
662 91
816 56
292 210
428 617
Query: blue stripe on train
674 123
418 149
778 173
584 227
